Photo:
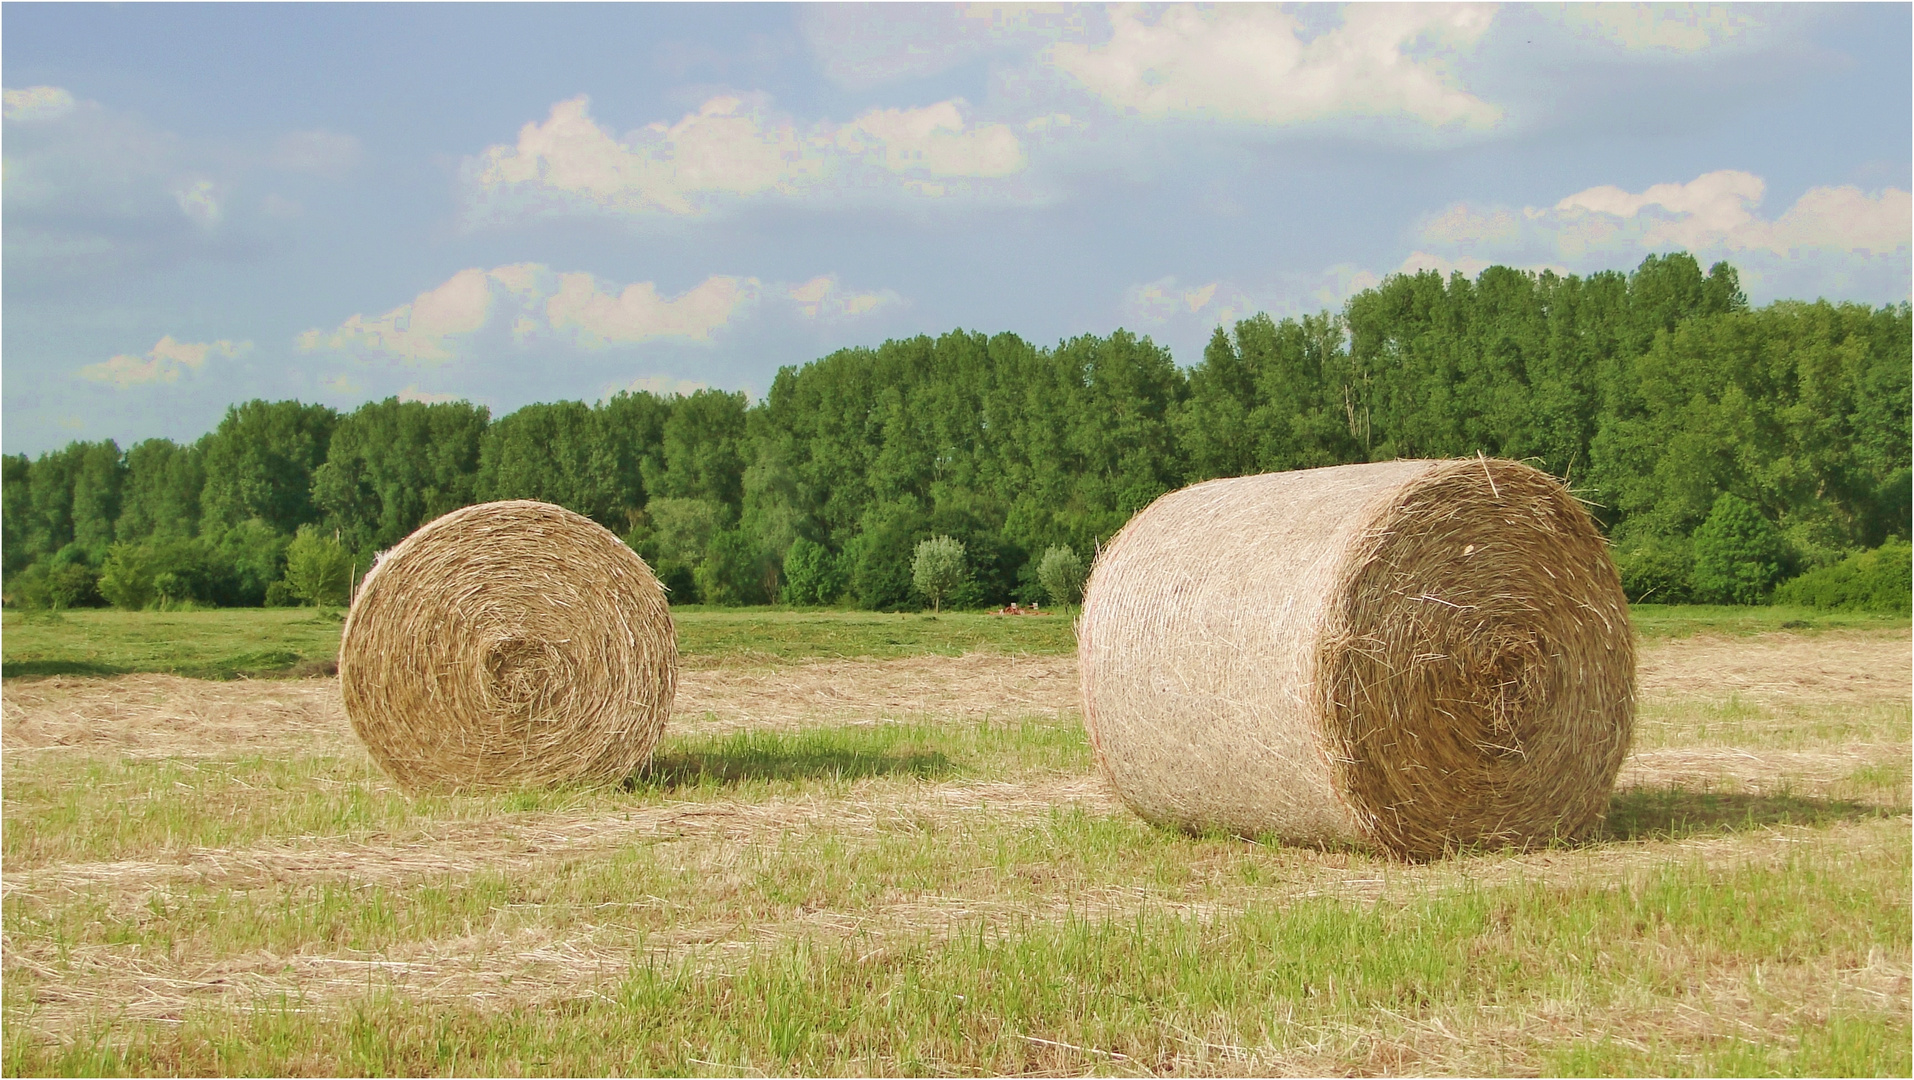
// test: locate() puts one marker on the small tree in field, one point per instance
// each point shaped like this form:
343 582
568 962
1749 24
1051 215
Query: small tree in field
939 570
1061 573
318 568
1739 554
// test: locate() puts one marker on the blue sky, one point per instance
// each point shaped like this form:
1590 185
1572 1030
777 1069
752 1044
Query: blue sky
339 203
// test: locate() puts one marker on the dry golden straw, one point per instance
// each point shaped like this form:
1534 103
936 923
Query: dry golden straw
506 645
1411 656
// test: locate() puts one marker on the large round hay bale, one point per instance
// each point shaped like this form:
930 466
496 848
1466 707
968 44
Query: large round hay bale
505 645
1410 656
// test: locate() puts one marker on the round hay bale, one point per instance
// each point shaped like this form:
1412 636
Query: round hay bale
506 645
1411 656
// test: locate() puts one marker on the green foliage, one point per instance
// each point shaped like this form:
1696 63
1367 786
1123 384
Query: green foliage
167 573
879 555
733 571
253 557
318 568
812 575
938 569
1062 574
259 463
1652 393
394 465
1656 569
1878 580
1739 554
161 494
555 453
51 585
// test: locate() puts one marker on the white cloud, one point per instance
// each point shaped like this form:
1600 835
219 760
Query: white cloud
723 148
416 332
535 303
162 363
1166 300
36 103
1250 63
1717 210
597 318
199 200
1463 224
729 148
1665 28
934 140
825 298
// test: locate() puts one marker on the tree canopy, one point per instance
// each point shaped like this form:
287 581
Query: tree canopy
1655 394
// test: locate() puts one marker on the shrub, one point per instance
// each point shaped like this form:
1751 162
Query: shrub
318 568
1655 570
253 555
812 575
732 571
938 570
878 558
1061 573
1878 580
681 584
1739 554
126 578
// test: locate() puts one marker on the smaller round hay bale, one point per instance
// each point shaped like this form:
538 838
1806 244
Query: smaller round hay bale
509 644
1408 656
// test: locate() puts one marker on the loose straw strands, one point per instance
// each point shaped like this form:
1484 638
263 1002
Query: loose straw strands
509 644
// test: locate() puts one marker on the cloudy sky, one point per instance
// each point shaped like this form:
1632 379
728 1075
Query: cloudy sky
339 203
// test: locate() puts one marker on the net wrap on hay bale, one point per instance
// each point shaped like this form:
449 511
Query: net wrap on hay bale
1409 656
509 644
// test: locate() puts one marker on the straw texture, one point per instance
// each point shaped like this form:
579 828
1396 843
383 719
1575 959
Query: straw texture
509 644
1408 656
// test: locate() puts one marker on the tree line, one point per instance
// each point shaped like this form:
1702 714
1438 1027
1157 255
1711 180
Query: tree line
1723 448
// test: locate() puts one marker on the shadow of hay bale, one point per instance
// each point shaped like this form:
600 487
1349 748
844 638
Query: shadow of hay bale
1673 814
47 669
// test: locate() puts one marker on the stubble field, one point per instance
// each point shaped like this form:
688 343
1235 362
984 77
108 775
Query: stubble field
877 844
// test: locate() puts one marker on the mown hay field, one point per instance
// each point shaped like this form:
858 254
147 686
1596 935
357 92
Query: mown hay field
877 844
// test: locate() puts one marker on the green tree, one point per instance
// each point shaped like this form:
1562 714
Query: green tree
251 557
1062 574
394 465
555 453
812 575
318 568
1739 554
259 463
161 494
938 569
701 453
732 571
126 578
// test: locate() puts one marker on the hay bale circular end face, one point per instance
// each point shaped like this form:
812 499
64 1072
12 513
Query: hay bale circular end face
509 644
1410 656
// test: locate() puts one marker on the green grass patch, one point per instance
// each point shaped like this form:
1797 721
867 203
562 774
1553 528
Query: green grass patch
225 643
276 642
1524 976
1687 620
